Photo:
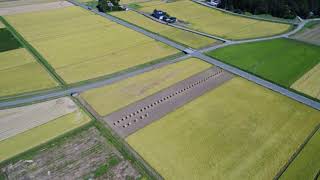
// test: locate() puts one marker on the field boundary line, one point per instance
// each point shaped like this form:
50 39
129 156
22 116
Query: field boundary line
297 152
181 27
124 148
40 59
243 15
21 101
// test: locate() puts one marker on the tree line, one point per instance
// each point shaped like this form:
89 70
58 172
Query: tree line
278 8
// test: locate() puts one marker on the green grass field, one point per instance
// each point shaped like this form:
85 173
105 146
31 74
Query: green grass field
7 41
41 134
216 22
21 73
180 36
80 45
309 83
282 60
120 94
307 163
238 131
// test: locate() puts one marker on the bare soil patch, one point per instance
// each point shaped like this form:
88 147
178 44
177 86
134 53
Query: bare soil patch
85 155
16 120
138 115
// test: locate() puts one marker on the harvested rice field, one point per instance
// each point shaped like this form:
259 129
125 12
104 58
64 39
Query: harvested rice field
309 83
307 164
36 124
13 3
21 73
310 33
282 61
180 36
237 131
80 45
84 155
110 98
215 22
32 7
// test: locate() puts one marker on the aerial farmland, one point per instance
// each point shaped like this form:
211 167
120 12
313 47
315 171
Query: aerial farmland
135 89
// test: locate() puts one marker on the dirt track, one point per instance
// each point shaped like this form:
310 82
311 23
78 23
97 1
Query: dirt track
16 120
33 7
138 115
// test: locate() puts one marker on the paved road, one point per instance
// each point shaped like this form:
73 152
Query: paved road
259 81
84 87
242 15
181 27
197 54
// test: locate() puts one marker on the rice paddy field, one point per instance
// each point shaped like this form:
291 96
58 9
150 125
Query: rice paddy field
310 33
180 36
11 3
110 98
282 61
80 45
309 83
215 22
41 134
307 164
21 73
238 131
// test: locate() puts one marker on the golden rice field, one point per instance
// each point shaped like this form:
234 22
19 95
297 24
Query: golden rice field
21 73
216 22
309 83
41 134
180 36
80 45
237 131
120 94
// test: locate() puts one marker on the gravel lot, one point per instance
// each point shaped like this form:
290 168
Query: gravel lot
16 120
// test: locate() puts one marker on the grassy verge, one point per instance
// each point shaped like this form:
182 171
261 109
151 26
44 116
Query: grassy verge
34 52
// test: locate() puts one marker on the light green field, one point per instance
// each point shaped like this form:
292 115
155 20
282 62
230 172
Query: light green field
306 165
309 83
238 131
180 36
41 134
20 73
120 94
80 45
2 25
215 22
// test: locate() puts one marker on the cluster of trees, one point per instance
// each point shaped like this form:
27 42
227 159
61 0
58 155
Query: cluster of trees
278 8
108 5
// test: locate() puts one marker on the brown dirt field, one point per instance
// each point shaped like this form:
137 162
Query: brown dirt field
138 115
17 120
33 7
78 157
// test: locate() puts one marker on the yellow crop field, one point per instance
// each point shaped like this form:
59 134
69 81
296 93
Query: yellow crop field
237 131
217 23
20 73
80 45
120 94
180 36
309 83
41 134
2 25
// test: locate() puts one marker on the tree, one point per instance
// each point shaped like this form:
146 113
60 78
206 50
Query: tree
103 5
